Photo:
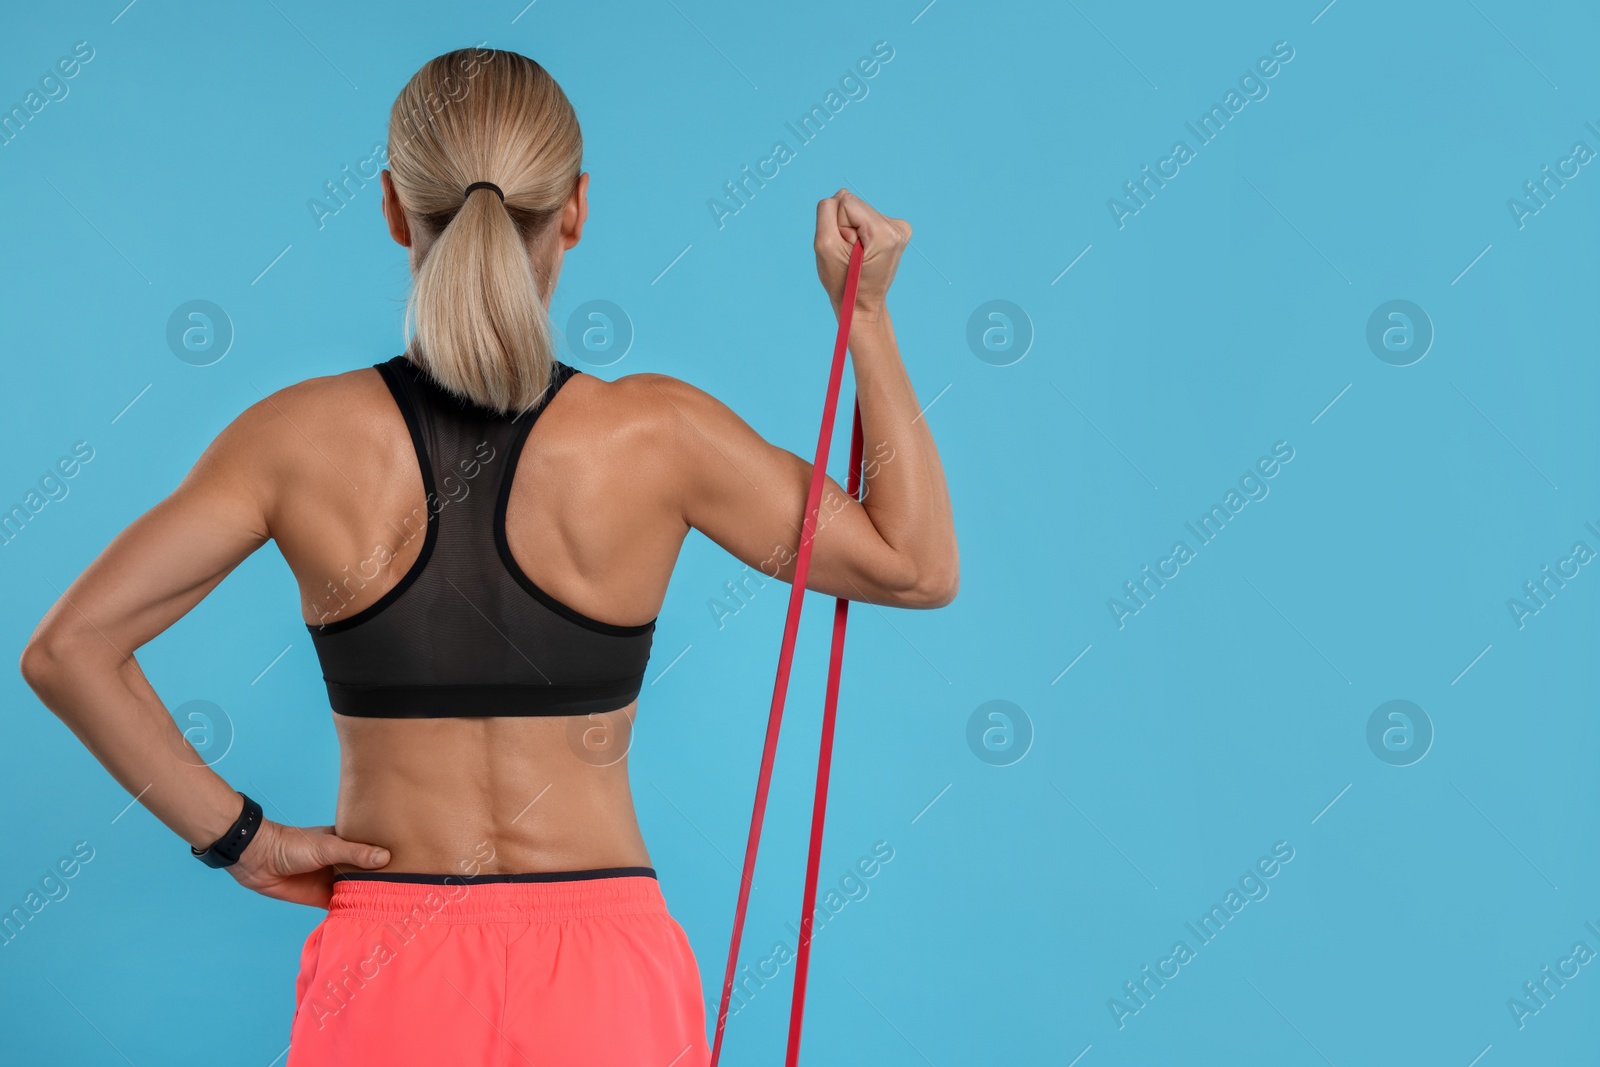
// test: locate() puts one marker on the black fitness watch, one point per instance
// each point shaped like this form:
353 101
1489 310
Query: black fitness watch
226 850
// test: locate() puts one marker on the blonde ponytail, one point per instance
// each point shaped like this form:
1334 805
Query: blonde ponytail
477 318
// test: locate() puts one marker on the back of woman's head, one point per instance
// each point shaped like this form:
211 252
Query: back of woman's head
477 316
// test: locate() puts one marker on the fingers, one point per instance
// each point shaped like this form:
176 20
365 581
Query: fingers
313 889
827 222
844 221
856 214
833 237
332 850
860 219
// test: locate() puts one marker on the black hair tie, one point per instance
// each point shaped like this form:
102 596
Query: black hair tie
485 185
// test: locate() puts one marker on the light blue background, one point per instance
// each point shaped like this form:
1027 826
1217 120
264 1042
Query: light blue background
1225 316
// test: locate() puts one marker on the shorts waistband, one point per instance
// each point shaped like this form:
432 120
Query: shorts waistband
543 896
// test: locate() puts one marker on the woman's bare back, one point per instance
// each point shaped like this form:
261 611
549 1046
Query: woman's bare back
591 520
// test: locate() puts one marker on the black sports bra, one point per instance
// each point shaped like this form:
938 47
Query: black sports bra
465 632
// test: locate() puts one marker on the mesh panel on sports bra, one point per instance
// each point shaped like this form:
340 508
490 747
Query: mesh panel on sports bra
465 631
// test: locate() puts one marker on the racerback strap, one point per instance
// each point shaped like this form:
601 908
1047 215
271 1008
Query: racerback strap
780 689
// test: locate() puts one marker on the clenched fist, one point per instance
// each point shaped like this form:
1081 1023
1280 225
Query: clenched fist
842 220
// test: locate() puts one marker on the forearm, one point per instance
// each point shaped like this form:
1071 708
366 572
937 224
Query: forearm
111 707
907 498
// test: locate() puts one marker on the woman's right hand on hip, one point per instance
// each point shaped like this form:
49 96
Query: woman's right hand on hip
297 863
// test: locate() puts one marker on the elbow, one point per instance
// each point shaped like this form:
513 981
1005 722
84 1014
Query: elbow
46 659
40 662
935 586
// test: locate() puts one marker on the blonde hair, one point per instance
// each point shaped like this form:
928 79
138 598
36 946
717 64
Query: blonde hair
478 306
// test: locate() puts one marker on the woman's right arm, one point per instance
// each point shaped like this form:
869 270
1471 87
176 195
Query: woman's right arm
895 547
80 660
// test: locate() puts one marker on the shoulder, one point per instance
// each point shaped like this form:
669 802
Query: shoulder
641 392
648 404
269 443
314 411
321 402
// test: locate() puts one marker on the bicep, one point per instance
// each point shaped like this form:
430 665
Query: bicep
168 559
749 496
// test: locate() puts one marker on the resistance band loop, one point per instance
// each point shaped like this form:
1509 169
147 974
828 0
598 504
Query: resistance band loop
819 805
780 689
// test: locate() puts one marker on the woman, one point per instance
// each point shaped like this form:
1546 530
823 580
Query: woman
482 537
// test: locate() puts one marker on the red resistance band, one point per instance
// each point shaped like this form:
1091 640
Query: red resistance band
780 689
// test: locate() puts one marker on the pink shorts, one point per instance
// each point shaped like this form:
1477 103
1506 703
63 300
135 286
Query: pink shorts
583 967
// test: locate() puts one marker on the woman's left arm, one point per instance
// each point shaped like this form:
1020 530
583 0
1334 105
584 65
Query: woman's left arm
80 660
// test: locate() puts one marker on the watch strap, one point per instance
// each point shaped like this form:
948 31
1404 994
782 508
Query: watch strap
226 850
